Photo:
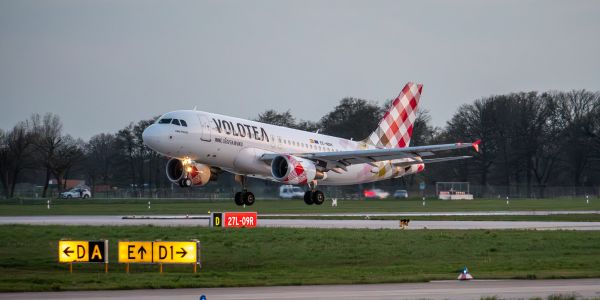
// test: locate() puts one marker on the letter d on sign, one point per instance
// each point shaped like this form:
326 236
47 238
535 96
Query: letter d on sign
80 251
216 220
162 252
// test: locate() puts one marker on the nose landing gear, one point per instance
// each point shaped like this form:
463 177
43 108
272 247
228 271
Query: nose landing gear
185 182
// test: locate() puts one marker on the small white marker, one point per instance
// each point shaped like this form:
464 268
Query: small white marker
48 204
148 204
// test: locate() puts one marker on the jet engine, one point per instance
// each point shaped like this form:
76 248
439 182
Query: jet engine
189 173
295 170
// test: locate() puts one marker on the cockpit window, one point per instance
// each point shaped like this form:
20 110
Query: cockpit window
164 121
176 122
183 123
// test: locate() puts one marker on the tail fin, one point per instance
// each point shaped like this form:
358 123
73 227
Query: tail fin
396 127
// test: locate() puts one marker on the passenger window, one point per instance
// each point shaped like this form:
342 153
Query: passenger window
176 122
183 123
164 121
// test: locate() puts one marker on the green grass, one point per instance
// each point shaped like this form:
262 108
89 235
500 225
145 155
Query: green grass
287 256
190 206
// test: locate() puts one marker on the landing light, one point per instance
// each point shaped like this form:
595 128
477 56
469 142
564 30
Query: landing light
189 169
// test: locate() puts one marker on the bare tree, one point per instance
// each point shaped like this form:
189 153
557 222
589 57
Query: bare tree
100 154
345 117
275 118
15 156
68 154
126 147
575 107
48 139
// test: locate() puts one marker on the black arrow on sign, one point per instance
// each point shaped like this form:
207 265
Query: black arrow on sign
182 252
67 252
141 252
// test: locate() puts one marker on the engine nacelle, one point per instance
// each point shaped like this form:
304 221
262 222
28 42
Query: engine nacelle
194 173
295 170
403 170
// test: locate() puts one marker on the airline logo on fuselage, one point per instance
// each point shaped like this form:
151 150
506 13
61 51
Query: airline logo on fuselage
241 130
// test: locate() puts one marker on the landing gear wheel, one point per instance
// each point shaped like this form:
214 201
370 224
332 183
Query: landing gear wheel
238 199
185 182
248 198
318 197
308 197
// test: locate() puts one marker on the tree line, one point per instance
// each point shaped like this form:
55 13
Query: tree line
529 139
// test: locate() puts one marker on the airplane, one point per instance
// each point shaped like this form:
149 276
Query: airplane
202 145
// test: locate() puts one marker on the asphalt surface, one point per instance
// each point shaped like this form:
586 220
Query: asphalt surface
299 223
526 289
444 213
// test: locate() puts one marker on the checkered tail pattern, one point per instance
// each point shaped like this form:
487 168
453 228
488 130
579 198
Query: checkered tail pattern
396 127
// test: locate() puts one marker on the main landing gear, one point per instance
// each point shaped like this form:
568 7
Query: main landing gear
314 196
244 197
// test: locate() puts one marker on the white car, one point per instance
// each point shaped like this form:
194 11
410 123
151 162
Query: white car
77 193
290 191
401 194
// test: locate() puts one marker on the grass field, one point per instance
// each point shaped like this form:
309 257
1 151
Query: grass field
285 256
183 206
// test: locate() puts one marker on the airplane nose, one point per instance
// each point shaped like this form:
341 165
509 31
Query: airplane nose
150 136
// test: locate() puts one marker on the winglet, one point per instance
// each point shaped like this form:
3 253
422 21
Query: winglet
476 145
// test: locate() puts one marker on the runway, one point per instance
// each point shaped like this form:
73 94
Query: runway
444 213
430 290
299 223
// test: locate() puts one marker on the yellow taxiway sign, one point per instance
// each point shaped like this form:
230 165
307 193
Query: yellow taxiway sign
83 251
175 252
135 252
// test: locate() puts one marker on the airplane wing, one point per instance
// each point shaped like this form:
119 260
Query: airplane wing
342 159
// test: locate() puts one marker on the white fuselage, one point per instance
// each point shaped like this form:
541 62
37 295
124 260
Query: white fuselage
236 145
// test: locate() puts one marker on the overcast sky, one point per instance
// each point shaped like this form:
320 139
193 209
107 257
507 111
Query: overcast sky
103 64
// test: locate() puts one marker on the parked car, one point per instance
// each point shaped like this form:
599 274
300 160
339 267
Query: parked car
400 194
77 193
290 191
376 193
